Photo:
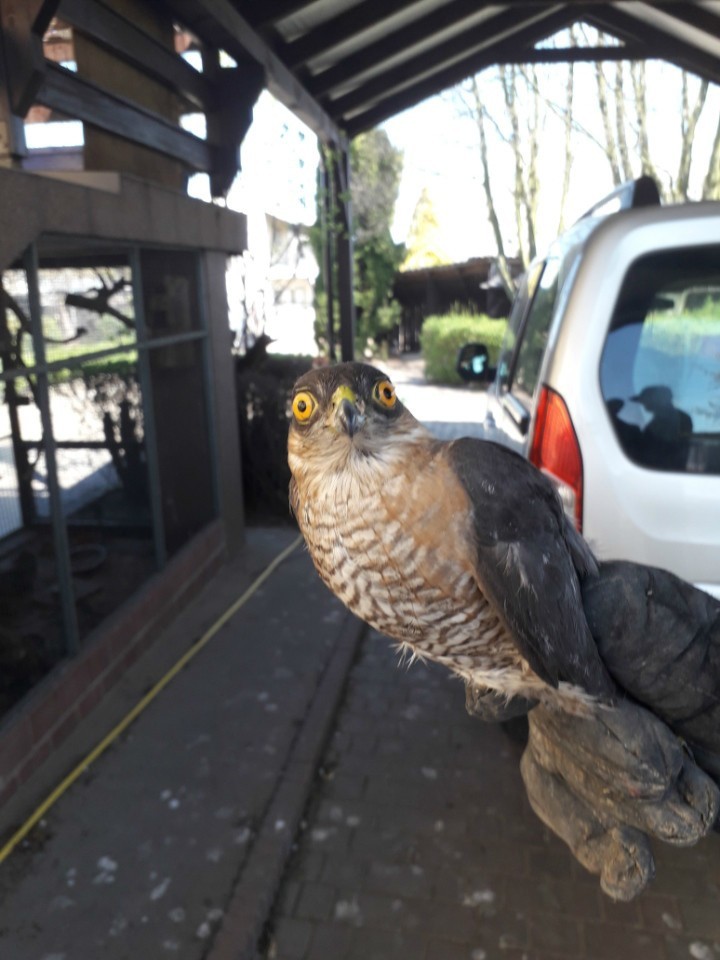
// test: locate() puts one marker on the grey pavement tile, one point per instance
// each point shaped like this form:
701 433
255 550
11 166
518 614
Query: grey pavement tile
610 941
290 939
316 901
660 913
452 855
329 942
369 944
555 934
544 896
702 916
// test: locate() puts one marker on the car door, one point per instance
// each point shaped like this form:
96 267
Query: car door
511 403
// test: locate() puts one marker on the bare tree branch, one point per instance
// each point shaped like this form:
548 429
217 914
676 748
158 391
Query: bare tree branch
620 130
568 128
98 299
711 183
689 121
610 144
637 72
479 116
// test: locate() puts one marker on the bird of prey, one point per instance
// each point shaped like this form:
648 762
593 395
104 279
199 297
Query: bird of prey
460 550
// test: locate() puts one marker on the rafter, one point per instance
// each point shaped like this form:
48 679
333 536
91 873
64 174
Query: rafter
511 26
345 26
401 100
266 13
660 43
403 38
219 23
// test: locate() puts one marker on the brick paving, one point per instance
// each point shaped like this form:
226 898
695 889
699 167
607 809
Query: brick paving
419 844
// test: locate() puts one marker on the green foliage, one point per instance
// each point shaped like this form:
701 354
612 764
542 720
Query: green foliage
375 167
442 336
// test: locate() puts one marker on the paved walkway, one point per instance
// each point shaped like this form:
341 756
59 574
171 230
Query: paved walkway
140 859
448 411
420 845
295 735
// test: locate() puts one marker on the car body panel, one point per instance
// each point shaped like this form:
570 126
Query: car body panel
662 518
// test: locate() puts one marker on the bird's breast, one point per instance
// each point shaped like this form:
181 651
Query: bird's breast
397 553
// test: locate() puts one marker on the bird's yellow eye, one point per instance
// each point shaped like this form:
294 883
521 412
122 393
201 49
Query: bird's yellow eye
303 406
385 394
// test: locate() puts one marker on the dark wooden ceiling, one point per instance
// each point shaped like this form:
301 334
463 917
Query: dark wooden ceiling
365 60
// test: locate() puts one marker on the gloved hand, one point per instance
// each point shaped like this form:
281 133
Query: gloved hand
607 782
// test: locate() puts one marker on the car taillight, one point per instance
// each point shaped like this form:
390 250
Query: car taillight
556 451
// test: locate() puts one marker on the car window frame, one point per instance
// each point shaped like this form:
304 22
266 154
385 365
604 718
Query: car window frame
508 387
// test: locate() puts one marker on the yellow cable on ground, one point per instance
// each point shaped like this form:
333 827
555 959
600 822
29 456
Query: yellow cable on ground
74 774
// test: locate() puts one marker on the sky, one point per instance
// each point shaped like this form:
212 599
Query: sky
448 162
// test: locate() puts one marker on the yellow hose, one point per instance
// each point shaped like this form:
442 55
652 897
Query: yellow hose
133 714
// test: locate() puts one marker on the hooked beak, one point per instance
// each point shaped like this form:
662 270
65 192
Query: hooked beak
344 404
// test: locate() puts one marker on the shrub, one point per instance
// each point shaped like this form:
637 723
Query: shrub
442 336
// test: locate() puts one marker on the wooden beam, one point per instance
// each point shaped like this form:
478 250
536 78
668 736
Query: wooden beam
405 37
696 16
510 23
344 254
629 51
659 42
331 33
71 95
448 76
229 120
266 13
217 22
133 45
22 25
13 148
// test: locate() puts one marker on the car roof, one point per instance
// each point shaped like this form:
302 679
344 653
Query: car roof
566 247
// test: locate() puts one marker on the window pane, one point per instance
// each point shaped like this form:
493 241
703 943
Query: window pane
183 443
170 292
534 341
100 449
660 369
525 292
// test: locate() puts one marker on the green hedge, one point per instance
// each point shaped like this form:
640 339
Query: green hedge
442 336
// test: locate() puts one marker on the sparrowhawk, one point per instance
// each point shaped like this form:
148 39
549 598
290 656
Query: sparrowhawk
460 550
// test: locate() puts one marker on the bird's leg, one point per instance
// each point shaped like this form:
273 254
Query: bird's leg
493 707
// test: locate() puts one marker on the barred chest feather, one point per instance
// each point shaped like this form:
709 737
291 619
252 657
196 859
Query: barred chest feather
398 557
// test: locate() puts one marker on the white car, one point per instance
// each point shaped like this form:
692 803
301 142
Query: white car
608 380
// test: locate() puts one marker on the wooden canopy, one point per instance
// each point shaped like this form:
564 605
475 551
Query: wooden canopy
366 60
342 66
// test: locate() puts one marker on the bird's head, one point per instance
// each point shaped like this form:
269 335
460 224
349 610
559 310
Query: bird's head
347 412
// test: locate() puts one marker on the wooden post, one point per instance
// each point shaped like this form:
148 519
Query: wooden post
344 252
12 129
326 208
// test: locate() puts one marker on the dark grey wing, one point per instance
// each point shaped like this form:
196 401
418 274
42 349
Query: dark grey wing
529 563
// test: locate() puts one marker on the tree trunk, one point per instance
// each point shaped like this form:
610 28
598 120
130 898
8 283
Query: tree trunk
711 183
479 114
637 72
620 125
689 121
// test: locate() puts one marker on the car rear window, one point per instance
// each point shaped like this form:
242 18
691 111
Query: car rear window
660 367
